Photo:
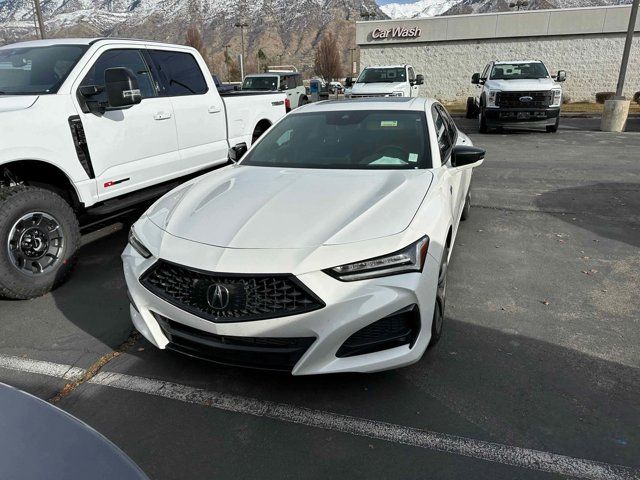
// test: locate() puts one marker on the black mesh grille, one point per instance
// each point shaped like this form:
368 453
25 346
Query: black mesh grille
244 297
512 99
400 328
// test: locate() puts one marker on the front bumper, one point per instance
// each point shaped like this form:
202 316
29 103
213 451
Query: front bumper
304 344
519 117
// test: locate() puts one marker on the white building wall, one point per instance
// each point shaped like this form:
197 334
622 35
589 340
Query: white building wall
592 62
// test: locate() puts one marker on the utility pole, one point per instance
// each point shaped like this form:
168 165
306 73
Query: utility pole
226 60
242 25
352 50
627 48
38 12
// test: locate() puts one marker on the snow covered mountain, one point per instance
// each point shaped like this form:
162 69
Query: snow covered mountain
430 8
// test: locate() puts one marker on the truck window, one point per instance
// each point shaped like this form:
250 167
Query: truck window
260 83
383 75
442 132
179 73
127 58
299 81
412 75
485 72
37 70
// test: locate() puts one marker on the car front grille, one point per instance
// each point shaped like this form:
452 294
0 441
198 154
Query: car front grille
280 353
225 297
521 99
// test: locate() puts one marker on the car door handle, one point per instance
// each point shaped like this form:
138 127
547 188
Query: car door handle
162 116
214 109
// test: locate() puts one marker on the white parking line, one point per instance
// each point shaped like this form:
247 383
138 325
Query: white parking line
468 447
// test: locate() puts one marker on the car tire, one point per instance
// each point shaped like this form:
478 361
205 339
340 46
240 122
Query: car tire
554 128
438 310
466 209
482 121
303 101
39 238
472 108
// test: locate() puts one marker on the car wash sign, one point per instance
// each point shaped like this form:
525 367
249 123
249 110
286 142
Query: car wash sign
396 32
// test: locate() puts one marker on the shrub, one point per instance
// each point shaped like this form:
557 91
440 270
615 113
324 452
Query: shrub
602 96
636 97
565 98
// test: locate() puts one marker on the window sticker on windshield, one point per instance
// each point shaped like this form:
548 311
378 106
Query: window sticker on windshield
413 157
389 123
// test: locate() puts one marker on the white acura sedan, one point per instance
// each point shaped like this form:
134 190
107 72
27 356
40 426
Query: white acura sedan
322 249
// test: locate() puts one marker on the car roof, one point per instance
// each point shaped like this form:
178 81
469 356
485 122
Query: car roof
515 62
382 103
271 74
386 66
85 41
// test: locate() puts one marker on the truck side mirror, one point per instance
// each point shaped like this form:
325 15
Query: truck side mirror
237 152
475 79
122 87
419 79
465 156
562 76
348 82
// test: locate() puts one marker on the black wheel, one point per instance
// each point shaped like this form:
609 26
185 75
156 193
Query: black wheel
438 310
466 210
472 109
39 237
482 121
553 128
303 101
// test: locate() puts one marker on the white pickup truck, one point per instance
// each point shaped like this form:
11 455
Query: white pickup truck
91 127
384 81
517 94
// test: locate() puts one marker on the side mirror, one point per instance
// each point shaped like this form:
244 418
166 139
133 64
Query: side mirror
475 79
122 87
237 152
419 79
348 82
465 156
562 76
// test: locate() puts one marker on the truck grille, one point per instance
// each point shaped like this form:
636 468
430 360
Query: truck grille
225 297
519 99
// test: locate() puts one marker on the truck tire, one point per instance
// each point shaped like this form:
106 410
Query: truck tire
482 121
39 238
472 108
553 128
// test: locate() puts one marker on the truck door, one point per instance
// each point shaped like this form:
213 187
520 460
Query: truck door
199 111
412 81
130 148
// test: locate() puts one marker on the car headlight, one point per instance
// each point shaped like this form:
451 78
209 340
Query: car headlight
397 94
491 100
409 259
557 98
137 245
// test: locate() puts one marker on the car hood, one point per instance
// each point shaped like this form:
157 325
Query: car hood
267 207
383 87
521 85
10 103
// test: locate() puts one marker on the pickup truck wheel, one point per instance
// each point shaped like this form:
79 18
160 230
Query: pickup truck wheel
553 128
39 237
472 109
482 121
438 309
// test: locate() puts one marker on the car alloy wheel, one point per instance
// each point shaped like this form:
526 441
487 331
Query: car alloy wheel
35 243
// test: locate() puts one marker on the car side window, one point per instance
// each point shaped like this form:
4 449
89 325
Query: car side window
179 73
442 134
127 58
299 81
485 73
451 126
412 75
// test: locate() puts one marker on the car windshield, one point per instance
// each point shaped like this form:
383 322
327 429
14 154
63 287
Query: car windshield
382 75
260 83
37 70
351 139
519 71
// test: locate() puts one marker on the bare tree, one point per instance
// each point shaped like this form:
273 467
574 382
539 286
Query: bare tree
194 39
327 64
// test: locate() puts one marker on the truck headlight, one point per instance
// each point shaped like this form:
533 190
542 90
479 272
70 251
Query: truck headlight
397 94
557 98
137 245
409 259
491 99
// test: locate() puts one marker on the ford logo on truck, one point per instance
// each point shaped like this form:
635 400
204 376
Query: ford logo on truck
526 99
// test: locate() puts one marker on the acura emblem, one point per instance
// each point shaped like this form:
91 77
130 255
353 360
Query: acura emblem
526 99
218 296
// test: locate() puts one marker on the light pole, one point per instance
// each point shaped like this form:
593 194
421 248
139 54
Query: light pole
242 25
627 48
519 4
352 69
38 11
226 60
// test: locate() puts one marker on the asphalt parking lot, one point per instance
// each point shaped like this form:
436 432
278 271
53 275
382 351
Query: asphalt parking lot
537 374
